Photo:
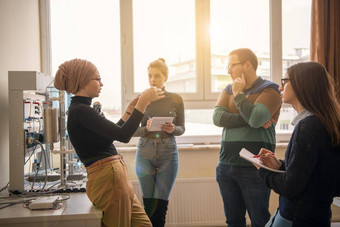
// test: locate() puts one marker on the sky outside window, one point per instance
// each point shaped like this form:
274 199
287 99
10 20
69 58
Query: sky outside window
164 29
90 30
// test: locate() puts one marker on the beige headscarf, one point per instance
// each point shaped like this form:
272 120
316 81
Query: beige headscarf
74 75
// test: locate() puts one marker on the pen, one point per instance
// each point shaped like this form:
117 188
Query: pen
262 155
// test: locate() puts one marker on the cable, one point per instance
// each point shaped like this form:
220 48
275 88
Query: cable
37 171
31 154
15 199
48 86
7 201
61 200
60 215
53 185
30 115
4 187
6 205
45 155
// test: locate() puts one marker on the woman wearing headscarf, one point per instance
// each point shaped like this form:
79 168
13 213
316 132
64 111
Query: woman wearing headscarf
92 135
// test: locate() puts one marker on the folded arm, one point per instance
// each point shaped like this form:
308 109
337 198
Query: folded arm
221 116
264 107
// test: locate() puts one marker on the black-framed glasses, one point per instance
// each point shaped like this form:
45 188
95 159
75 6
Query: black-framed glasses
232 66
98 79
284 81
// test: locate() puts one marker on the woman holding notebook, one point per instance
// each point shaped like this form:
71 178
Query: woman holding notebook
157 155
312 159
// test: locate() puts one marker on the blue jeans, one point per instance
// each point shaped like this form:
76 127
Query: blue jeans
278 221
242 190
157 166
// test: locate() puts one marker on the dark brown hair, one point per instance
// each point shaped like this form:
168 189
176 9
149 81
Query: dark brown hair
245 54
314 88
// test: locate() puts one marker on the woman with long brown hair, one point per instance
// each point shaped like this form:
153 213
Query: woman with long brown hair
312 160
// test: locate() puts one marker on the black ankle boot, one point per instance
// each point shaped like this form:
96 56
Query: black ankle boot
150 206
158 218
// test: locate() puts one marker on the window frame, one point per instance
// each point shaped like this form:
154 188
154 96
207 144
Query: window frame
204 97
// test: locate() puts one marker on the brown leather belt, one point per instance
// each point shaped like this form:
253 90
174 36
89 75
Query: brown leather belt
103 161
157 135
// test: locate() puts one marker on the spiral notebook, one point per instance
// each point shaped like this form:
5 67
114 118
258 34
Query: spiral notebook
247 155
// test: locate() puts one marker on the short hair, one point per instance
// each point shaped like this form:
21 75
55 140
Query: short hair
245 54
161 65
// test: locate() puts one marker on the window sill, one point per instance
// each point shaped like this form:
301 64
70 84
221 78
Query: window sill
181 147
197 141
190 147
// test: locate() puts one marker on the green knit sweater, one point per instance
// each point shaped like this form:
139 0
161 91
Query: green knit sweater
242 118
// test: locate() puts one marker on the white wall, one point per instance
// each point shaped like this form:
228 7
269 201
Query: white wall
19 51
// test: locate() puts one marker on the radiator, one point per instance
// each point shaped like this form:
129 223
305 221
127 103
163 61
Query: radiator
193 202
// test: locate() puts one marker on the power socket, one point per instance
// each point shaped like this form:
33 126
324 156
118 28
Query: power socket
43 203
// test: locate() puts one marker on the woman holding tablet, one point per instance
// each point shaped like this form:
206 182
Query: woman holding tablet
157 155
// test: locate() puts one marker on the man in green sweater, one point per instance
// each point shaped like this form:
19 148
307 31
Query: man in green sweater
248 110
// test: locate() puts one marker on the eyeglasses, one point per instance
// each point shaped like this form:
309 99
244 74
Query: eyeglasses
98 79
284 81
232 66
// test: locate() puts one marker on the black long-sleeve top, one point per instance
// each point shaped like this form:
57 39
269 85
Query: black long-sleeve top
92 135
312 168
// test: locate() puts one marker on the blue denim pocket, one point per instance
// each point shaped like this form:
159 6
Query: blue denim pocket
170 144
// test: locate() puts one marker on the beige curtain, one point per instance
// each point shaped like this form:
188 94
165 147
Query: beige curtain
325 37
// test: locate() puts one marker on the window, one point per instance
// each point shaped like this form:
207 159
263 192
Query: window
121 37
232 26
295 47
284 125
162 29
89 29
